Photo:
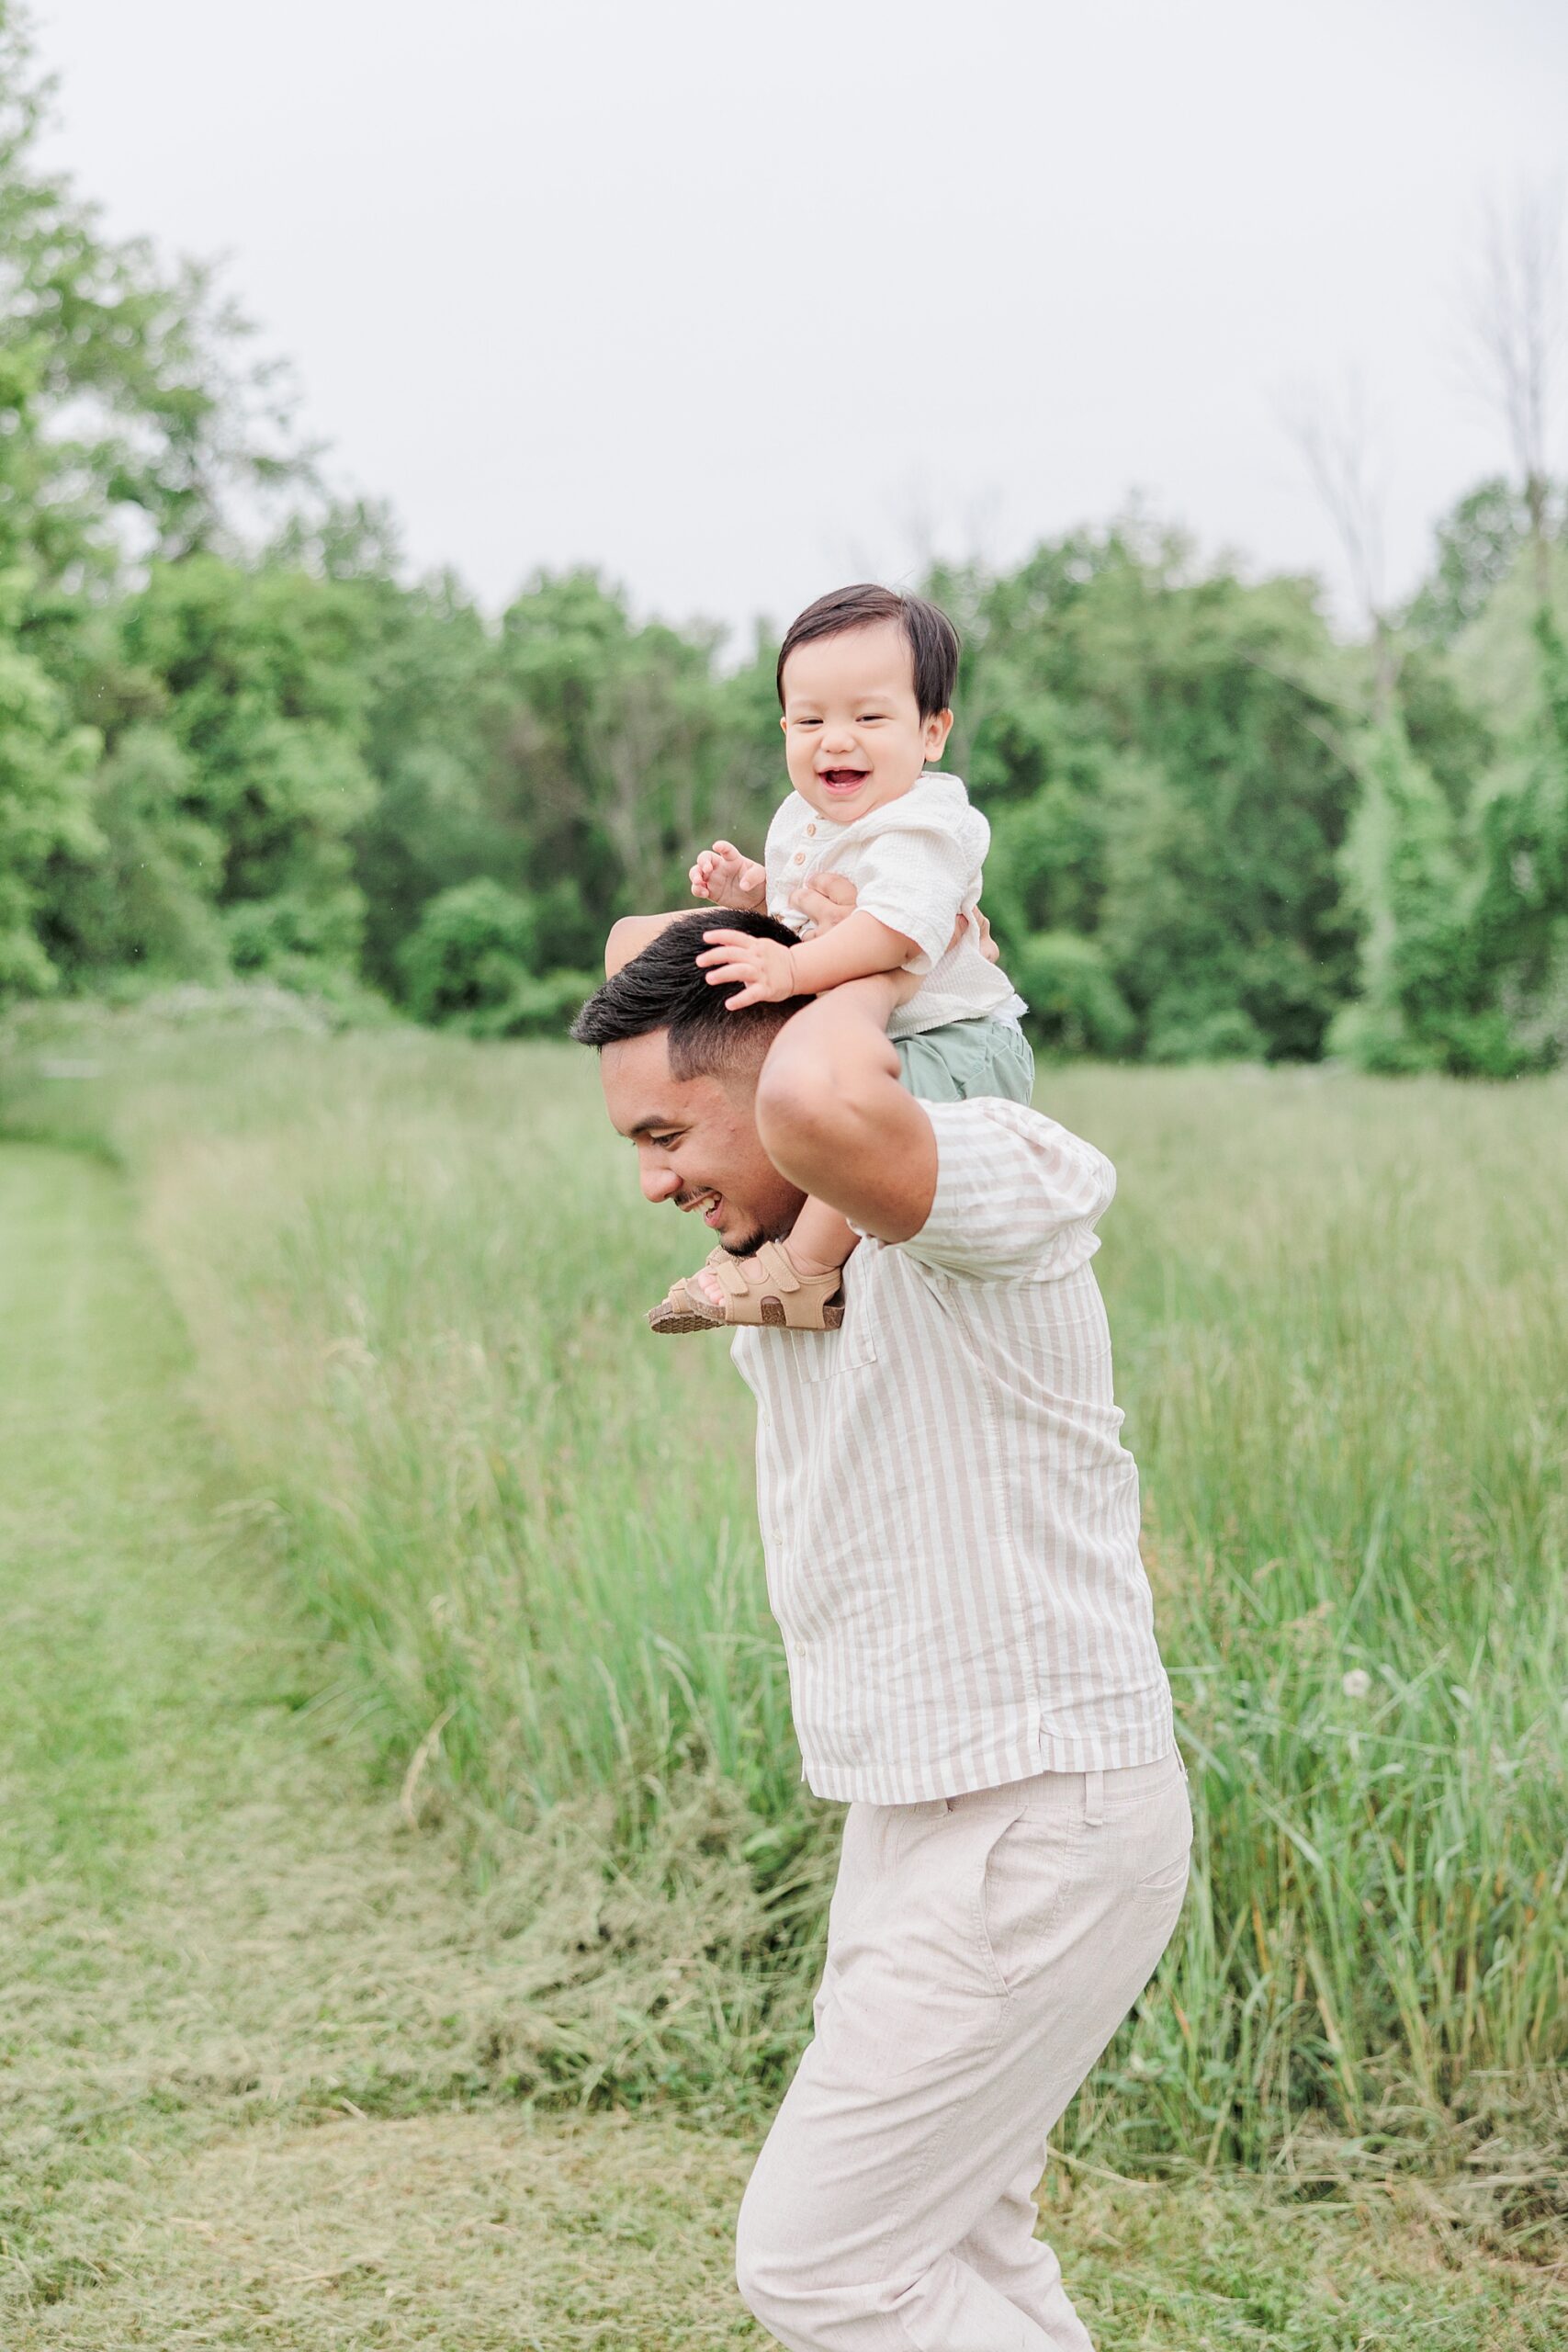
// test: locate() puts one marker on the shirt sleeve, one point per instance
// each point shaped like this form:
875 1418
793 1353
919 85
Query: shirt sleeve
917 877
1017 1197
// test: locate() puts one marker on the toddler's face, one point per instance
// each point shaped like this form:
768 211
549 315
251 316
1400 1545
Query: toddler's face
853 734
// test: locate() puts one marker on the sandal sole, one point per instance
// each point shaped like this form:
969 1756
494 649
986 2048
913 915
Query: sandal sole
773 1317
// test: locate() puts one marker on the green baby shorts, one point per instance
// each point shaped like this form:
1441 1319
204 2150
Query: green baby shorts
967 1058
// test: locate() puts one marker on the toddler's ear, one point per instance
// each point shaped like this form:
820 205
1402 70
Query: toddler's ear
937 730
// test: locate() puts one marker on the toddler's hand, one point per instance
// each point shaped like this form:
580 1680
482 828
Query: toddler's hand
726 876
764 967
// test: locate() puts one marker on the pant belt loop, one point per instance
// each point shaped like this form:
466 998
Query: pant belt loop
1094 1799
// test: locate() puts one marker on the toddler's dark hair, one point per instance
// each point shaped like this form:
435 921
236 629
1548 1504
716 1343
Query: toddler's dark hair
934 640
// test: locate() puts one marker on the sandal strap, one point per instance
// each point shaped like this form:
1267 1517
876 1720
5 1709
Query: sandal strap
801 1296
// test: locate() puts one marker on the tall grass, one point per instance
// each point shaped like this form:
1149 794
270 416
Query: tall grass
413 1270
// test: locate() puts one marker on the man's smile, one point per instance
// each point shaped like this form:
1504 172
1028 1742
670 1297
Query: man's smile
711 1203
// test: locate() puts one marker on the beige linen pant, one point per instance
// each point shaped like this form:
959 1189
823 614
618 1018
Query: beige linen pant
981 1952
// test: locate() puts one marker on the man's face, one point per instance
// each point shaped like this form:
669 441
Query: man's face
853 735
697 1143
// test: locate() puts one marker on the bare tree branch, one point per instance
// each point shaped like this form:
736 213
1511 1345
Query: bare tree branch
1516 323
1339 444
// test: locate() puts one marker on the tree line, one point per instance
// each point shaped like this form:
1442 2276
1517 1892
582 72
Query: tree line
236 739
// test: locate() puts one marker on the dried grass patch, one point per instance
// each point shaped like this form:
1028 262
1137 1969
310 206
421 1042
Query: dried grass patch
479 2230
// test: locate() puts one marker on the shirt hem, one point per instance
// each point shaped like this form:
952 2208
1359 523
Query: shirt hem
1151 1744
898 1027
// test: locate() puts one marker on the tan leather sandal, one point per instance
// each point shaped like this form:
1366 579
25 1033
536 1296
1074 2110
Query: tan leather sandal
763 1289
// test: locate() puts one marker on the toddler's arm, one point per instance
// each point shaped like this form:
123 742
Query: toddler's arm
856 949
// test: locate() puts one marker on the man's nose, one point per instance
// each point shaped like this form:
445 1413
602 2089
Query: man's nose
657 1183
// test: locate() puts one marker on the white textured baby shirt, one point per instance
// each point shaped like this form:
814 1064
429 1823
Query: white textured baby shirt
916 864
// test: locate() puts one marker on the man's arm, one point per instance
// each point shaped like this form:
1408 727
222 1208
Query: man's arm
833 1117
632 934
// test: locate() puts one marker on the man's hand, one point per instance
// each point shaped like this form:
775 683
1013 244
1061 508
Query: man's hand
727 877
988 948
763 965
824 899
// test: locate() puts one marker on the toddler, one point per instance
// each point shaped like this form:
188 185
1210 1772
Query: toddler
865 680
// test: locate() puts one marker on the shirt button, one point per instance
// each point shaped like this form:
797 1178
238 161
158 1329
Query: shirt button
800 857
810 830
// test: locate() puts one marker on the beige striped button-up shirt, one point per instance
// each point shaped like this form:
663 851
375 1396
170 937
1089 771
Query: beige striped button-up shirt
949 1517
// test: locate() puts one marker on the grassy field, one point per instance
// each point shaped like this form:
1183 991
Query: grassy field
482 1538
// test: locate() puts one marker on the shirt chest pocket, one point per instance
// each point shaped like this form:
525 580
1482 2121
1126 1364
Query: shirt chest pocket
817 1356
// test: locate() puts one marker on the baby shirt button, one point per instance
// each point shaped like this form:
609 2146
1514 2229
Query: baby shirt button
811 828
800 857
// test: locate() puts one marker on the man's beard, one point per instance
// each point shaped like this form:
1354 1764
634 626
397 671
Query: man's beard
748 1246
753 1241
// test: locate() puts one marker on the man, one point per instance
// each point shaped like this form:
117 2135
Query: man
950 1524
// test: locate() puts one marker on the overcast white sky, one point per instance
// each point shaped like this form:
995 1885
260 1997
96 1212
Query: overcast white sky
735 300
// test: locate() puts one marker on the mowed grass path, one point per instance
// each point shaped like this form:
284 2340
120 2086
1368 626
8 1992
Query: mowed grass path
249 2019
242 2009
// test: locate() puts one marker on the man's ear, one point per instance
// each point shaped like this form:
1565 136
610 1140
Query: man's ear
938 728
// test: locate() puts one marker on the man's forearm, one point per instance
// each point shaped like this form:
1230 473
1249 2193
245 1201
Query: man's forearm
834 1118
632 934
854 949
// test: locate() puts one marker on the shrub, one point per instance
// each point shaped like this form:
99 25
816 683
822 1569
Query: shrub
301 941
541 1007
1226 1033
470 955
1075 1006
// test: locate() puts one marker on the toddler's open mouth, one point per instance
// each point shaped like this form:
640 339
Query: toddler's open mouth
842 779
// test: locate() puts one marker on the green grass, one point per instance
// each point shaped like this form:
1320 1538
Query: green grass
252 2027
412 1272
262 2044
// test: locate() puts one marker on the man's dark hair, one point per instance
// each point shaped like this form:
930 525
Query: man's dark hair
665 987
934 640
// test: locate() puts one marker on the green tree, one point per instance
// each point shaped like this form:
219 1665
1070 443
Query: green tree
129 417
257 676
616 750
1417 1005
142 898
1158 749
45 764
132 411
1479 543
1521 912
